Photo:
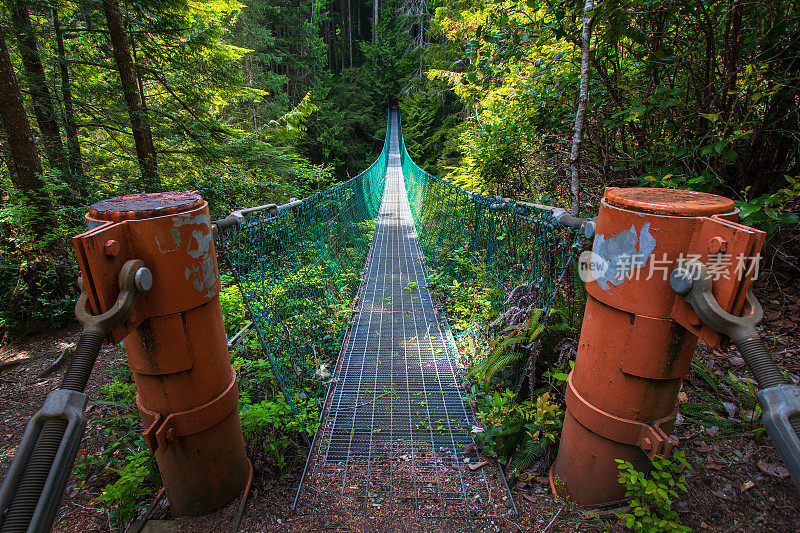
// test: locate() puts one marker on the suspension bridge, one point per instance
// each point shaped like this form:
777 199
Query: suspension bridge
343 278
396 429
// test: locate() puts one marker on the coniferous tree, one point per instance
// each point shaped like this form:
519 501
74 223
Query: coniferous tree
139 119
43 107
26 168
70 120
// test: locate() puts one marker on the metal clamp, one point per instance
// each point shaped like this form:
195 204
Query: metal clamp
66 404
650 438
134 280
693 282
161 430
780 402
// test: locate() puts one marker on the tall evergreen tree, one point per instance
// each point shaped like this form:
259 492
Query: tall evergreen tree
43 107
26 168
139 118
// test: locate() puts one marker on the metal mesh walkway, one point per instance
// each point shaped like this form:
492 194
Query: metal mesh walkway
395 437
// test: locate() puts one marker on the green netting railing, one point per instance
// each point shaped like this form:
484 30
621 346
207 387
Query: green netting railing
507 251
299 269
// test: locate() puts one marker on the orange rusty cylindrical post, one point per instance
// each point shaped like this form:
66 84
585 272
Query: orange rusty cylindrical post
638 337
175 342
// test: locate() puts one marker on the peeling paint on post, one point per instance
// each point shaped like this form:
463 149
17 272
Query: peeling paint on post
186 388
633 351
623 253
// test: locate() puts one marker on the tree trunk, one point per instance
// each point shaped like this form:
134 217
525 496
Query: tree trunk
70 122
580 114
358 16
350 32
342 33
25 166
40 93
374 21
140 122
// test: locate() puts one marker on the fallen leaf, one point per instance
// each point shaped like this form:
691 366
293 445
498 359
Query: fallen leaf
543 480
730 408
703 448
747 485
529 498
478 465
736 361
713 465
721 495
773 469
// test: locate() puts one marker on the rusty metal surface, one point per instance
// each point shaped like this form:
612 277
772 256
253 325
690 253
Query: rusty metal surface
675 202
178 248
641 248
144 205
638 336
175 342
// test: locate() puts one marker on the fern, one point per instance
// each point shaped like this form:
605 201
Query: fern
530 451
503 353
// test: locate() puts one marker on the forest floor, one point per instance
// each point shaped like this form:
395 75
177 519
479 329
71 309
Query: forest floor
737 481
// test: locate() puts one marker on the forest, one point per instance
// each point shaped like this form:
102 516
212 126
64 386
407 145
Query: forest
259 101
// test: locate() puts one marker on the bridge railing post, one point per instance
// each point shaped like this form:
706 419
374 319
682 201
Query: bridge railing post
639 336
186 388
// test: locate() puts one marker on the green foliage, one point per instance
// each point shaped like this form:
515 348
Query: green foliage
517 433
123 465
234 310
275 416
707 407
432 123
651 496
769 211
134 484
673 102
37 283
503 350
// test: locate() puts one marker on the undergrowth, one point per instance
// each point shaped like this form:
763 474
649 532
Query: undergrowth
504 342
122 472
651 496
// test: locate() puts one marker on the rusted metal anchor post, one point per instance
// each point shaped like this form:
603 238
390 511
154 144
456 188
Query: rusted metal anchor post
175 340
638 336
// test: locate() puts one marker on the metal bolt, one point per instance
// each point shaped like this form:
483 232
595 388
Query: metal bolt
717 245
143 279
589 229
111 248
681 281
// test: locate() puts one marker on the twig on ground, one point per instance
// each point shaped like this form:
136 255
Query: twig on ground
512 522
6 365
553 520
65 357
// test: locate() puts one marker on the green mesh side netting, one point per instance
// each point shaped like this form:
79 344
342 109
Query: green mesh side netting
510 249
299 270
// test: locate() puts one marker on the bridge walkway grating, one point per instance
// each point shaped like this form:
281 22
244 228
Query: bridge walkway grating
396 430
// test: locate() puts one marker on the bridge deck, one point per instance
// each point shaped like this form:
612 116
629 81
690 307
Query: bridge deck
396 428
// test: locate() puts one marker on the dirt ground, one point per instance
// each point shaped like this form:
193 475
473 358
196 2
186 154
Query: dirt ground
737 482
